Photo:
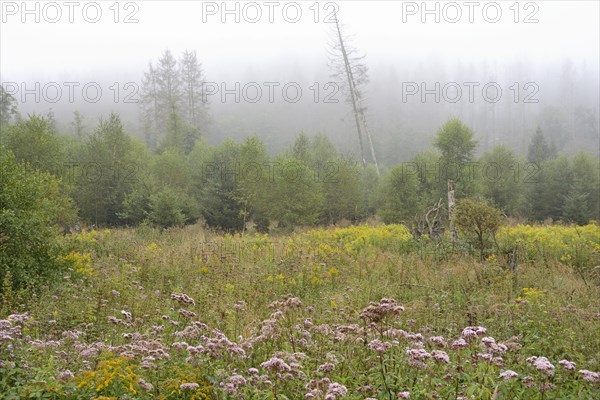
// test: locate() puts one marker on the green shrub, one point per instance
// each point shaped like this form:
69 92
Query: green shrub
32 206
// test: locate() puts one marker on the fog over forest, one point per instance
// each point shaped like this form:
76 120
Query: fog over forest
544 57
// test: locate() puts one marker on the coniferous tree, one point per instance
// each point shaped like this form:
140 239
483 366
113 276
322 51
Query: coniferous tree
78 124
169 91
149 107
500 180
194 104
539 149
109 169
8 109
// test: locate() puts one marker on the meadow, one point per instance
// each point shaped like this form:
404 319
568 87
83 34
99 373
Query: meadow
359 312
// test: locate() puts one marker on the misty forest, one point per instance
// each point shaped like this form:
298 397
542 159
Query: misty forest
300 200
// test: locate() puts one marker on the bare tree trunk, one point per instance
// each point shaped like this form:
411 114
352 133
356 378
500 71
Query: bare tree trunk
368 132
351 88
451 204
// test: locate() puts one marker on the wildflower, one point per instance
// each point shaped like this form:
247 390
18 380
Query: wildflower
228 387
365 389
528 381
471 332
186 313
182 298
493 347
179 345
542 364
65 375
375 312
415 336
335 390
145 385
126 314
418 354
546 387
416 357
192 331
71 334
438 340
568 365
440 356
590 376
276 364
488 341
508 375
457 344
189 386
378 346
235 382
404 395
327 367
286 303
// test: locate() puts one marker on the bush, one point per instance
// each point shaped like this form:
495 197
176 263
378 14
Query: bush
31 207
479 222
170 207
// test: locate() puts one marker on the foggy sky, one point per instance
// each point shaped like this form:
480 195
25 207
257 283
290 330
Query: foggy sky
65 50
392 35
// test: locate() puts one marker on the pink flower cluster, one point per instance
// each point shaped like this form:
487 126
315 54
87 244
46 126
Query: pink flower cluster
590 376
568 365
285 304
276 364
416 357
471 332
233 384
324 388
508 375
182 298
377 311
379 346
10 328
542 364
219 345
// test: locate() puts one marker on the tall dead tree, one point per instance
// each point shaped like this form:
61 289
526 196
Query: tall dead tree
351 71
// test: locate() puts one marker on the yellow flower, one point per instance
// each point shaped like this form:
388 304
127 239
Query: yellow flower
81 262
333 272
152 247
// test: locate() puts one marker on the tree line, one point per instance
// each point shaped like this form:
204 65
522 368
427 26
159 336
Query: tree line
114 179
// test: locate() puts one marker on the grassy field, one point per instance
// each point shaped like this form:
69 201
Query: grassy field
354 313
